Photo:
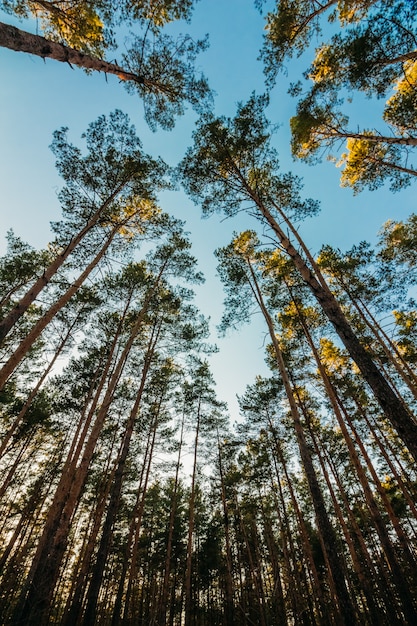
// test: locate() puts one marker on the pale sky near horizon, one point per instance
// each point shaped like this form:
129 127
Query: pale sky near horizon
36 97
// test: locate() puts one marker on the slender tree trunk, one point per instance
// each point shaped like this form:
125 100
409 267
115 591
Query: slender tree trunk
22 306
229 586
251 572
294 592
401 58
188 567
373 615
276 590
410 497
379 579
76 593
35 597
401 141
22 41
317 585
113 505
33 393
398 576
346 615
390 349
162 612
134 523
128 604
392 406
41 324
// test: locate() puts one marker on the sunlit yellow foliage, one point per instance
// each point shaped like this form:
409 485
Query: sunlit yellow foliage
286 319
353 10
332 357
324 65
394 236
401 108
407 320
161 12
258 177
360 156
275 263
157 14
409 81
75 24
289 318
245 243
133 216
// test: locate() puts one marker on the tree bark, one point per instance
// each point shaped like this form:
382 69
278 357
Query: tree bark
346 613
37 592
24 347
21 307
22 41
112 508
392 406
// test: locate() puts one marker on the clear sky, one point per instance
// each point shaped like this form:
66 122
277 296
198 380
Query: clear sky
36 97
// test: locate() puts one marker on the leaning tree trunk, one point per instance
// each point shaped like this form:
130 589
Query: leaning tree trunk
113 505
41 324
396 571
37 592
391 404
391 351
319 591
30 296
19 419
22 41
346 613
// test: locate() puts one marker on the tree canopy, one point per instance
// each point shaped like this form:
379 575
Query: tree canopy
130 493
372 52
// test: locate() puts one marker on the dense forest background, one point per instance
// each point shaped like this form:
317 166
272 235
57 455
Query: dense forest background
129 492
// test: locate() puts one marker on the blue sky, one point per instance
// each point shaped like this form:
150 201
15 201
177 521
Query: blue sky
37 97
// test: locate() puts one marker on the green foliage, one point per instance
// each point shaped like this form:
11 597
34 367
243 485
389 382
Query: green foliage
372 52
168 66
294 23
20 265
401 108
160 69
369 164
232 164
90 27
398 241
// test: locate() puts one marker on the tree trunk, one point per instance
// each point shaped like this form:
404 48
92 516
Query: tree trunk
33 393
390 349
22 41
188 568
229 586
135 522
392 406
128 603
397 574
41 324
113 505
73 607
317 585
401 141
346 613
163 603
37 591
21 307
